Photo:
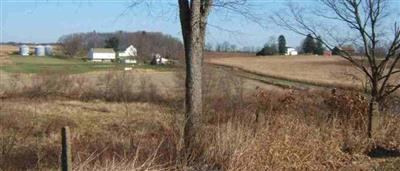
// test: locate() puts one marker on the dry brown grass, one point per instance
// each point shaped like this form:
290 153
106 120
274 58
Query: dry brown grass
331 71
244 128
109 86
210 55
290 134
5 51
100 132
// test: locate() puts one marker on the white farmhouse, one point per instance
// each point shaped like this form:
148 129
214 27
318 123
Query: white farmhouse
291 51
128 56
130 51
101 54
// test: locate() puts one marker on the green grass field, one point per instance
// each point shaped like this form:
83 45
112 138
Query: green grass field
33 64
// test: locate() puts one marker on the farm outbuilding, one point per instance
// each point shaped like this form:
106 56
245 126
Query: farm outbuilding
158 60
101 54
328 53
39 50
48 50
24 50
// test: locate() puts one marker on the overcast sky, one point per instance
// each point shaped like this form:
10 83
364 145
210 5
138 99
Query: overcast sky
47 20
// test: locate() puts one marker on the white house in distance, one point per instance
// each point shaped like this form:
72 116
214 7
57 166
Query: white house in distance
101 54
291 51
128 56
108 54
130 51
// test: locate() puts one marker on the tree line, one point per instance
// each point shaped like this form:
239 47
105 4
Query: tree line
310 45
147 43
229 47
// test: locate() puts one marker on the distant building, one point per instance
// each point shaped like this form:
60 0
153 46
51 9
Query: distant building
24 50
348 49
328 53
345 49
48 50
130 51
101 54
291 51
39 50
158 60
128 55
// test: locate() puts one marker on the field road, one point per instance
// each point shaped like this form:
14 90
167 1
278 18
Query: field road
313 70
294 72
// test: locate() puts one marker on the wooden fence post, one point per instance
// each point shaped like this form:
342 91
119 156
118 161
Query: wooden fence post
66 162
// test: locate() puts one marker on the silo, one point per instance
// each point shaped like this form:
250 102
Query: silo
39 50
48 50
24 50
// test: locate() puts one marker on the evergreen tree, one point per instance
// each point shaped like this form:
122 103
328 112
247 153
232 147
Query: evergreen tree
268 50
308 44
112 42
319 50
282 45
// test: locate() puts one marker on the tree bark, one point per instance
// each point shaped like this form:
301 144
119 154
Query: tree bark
193 37
370 113
373 114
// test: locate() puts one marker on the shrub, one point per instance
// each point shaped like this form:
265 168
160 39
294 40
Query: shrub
349 107
267 51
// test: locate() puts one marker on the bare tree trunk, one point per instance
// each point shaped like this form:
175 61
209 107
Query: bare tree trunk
373 115
193 36
193 88
373 109
370 115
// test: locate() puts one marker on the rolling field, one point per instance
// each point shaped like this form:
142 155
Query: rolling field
133 120
317 70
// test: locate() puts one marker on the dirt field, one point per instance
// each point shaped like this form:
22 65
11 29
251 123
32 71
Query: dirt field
330 71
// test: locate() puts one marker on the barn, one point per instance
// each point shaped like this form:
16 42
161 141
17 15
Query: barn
101 54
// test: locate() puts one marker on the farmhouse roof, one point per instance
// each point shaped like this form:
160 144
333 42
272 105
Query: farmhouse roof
123 48
103 50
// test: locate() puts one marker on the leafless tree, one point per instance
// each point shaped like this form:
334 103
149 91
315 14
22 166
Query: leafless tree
367 22
71 45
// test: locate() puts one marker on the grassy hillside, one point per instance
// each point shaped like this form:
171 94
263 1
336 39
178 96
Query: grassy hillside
118 123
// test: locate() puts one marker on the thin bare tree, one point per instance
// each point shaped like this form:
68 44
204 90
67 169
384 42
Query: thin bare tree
367 21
